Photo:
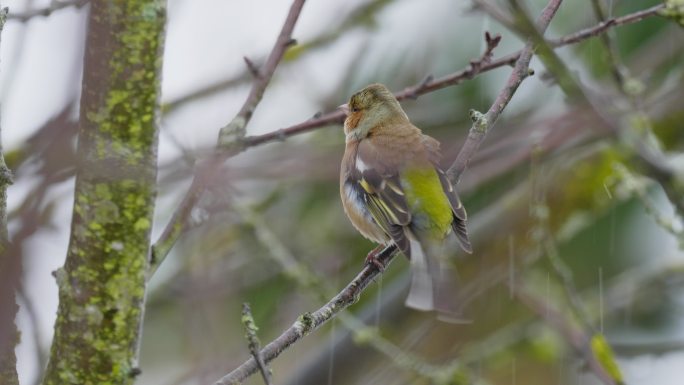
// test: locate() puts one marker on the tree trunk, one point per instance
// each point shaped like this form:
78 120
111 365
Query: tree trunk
102 285
10 269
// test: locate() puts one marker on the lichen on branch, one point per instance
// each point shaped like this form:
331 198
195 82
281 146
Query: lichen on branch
102 285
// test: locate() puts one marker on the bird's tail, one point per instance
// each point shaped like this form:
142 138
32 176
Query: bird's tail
433 281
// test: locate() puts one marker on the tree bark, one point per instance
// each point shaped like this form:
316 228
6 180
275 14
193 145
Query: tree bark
102 284
10 268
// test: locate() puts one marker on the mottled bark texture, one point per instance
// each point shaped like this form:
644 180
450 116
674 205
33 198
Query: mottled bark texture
102 284
10 268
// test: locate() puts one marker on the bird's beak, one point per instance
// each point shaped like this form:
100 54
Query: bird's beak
344 108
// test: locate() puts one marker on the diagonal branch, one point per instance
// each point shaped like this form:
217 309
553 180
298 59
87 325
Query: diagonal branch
235 130
178 221
455 78
580 341
482 123
311 321
321 290
606 25
230 137
253 342
361 18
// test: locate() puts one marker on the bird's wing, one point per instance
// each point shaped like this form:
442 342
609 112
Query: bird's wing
379 186
460 215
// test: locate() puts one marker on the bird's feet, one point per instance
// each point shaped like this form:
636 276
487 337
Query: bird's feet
372 258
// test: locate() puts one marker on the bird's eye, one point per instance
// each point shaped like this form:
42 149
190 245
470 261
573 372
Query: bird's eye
355 109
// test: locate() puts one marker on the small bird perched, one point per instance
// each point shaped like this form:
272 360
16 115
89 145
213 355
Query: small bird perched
394 191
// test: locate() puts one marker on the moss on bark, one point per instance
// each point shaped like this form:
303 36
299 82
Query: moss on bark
102 285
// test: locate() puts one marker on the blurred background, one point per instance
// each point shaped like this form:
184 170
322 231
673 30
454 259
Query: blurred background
563 215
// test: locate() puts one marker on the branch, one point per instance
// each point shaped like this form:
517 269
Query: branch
605 25
639 134
637 187
363 17
55 5
177 223
581 342
321 290
617 68
10 271
311 321
483 123
429 84
453 78
235 130
565 79
253 342
6 178
102 284
230 138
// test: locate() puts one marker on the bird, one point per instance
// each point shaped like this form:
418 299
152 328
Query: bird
394 192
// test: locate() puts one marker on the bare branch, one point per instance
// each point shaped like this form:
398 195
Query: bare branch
321 290
362 17
617 69
253 342
495 12
604 26
253 68
577 338
235 130
230 137
452 79
483 123
311 321
178 221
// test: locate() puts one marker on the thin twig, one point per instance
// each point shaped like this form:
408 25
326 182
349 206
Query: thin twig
578 339
482 123
633 185
229 137
178 221
253 342
206 91
251 67
320 290
55 5
311 321
495 12
235 130
565 79
643 140
604 26
543 235
29 307
362 17
617 69
452 79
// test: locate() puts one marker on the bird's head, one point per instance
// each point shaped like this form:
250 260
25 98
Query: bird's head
373 108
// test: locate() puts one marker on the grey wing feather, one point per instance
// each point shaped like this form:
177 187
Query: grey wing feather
460 215
387 205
